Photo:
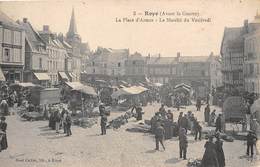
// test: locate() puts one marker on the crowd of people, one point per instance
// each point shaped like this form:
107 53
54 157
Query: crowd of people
60 118
214 154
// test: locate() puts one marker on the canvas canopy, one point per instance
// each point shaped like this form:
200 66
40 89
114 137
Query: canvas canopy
26 84
134 90
63 75
42 76
77 86
74 85
86 90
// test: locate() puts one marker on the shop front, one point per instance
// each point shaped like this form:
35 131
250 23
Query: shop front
12 73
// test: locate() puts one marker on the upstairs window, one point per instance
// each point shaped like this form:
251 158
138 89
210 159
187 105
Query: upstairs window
7 55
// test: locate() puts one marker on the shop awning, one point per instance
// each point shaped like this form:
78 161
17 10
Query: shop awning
86 90
63 75
134 90
2 77
26 84
74 85
42 76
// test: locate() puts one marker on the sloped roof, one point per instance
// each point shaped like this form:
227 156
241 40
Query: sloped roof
58 43
66 45
233 36
8 21
32 36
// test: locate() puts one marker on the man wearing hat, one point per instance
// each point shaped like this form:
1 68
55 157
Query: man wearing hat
183 143
159 135
251 141
218 123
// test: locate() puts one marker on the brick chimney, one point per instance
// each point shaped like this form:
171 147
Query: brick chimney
46 28
246 26
25 20
178 56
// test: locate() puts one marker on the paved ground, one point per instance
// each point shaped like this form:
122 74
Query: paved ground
32 144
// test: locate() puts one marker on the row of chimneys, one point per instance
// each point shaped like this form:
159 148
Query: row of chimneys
46 28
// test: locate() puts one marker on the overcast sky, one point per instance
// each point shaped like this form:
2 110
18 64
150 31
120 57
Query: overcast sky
96 23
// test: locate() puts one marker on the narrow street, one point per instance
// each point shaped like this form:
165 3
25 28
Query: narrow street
34 144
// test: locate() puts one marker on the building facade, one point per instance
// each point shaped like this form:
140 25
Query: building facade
12 47
234 53
251 66
80 50
201 72
107 63
135 68
160 69
35 55
56 55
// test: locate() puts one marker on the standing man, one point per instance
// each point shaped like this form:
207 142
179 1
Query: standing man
68 124
218 123
212 118
183 143
198 104
170 115
64 121
162 109
184 122
103 123
251 141
206 113
197 129
159 135
57 120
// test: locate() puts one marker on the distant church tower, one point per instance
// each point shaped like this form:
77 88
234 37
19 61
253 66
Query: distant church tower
72 37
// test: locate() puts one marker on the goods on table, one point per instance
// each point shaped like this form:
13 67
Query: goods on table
121 120
223 136
85 122
32 116
139 128
194 163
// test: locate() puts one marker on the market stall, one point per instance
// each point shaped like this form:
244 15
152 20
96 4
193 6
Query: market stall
128 96
81 97
234 109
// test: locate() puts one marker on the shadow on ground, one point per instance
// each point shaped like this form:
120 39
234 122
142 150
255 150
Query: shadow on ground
172 161
151 151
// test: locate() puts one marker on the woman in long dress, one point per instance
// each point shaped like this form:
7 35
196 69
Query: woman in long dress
210 158
3 139
219 151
